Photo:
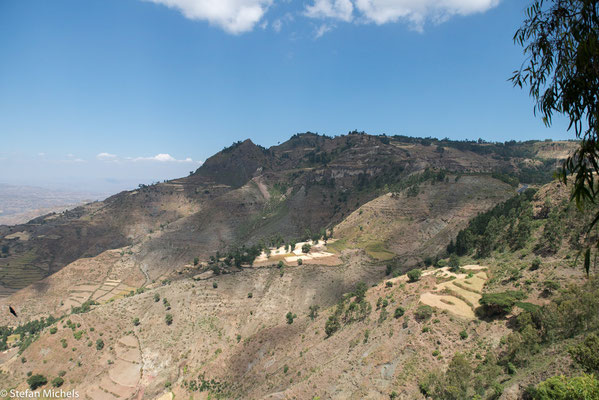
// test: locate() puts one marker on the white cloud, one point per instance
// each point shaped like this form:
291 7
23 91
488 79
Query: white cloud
322 29
239 16
416 12
106 156
336 9
162 157
234 16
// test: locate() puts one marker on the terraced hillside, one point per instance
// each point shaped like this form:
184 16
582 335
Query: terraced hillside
247 193
207 296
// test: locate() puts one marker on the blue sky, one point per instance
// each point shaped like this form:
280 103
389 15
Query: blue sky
104 94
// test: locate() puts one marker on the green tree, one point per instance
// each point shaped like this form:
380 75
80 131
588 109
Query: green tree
454 263
36 381
168 318
99 344
561 388
561 44
414 275
306 248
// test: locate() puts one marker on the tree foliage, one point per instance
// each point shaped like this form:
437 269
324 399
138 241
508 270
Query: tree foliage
561 42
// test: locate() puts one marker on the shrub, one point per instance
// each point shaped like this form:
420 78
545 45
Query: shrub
156 297
423 313
36 381
360 292
464 334
299 261
57 382
454 384
250 295
399 312
549 287
562 388
536 263
388 284
136 321
493 304
196 261
414 275
586 353
53 330
332 325
357 311
214 285
306 248
280 264
62 373
99 344
83 308
168 318
290 317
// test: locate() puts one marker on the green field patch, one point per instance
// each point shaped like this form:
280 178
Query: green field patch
378 251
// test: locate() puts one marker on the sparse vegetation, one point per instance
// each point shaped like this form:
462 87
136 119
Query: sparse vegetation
423 313
313 313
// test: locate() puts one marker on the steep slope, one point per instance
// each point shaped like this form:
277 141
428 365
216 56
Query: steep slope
307 183
231 335
419 221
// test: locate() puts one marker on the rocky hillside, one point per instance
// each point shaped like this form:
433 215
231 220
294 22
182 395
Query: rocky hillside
422 273
493 326
247 193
